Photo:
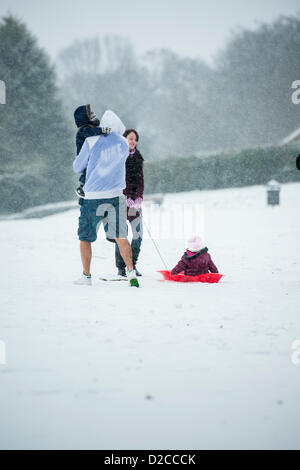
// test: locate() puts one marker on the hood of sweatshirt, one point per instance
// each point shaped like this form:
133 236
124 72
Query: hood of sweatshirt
110 119
84 116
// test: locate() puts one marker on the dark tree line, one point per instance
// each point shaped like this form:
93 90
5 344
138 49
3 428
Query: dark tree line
36 141
183 106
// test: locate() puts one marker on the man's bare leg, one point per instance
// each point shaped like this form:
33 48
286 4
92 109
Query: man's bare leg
86 256
125 250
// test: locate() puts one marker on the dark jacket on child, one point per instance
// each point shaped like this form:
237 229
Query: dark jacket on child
86 127
198 263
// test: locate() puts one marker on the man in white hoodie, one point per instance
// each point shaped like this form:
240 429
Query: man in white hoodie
104 159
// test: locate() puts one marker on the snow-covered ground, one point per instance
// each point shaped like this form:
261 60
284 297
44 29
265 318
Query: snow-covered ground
167 366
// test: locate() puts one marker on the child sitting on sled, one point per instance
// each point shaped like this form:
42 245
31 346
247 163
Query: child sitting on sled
196 260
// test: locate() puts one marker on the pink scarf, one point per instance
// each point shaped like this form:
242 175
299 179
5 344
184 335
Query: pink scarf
191 253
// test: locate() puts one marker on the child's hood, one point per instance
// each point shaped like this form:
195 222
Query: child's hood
82 116
198 253
110 119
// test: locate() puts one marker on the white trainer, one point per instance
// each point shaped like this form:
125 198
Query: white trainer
84 280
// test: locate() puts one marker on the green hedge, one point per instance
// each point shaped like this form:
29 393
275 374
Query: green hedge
245 168
22 187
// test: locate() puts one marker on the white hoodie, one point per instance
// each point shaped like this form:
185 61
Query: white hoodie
104 159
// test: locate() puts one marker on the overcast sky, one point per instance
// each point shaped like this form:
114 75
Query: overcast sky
188 27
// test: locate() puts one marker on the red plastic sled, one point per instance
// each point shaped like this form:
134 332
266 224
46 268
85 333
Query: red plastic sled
209 277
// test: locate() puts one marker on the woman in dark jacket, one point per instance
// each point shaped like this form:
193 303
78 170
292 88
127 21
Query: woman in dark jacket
134 192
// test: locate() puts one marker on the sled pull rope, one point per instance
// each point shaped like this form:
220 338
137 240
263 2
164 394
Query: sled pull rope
153 241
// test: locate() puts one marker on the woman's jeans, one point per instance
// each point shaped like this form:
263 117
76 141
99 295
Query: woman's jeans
137 237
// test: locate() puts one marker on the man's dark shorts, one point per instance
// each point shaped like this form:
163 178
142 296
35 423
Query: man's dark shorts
110 212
